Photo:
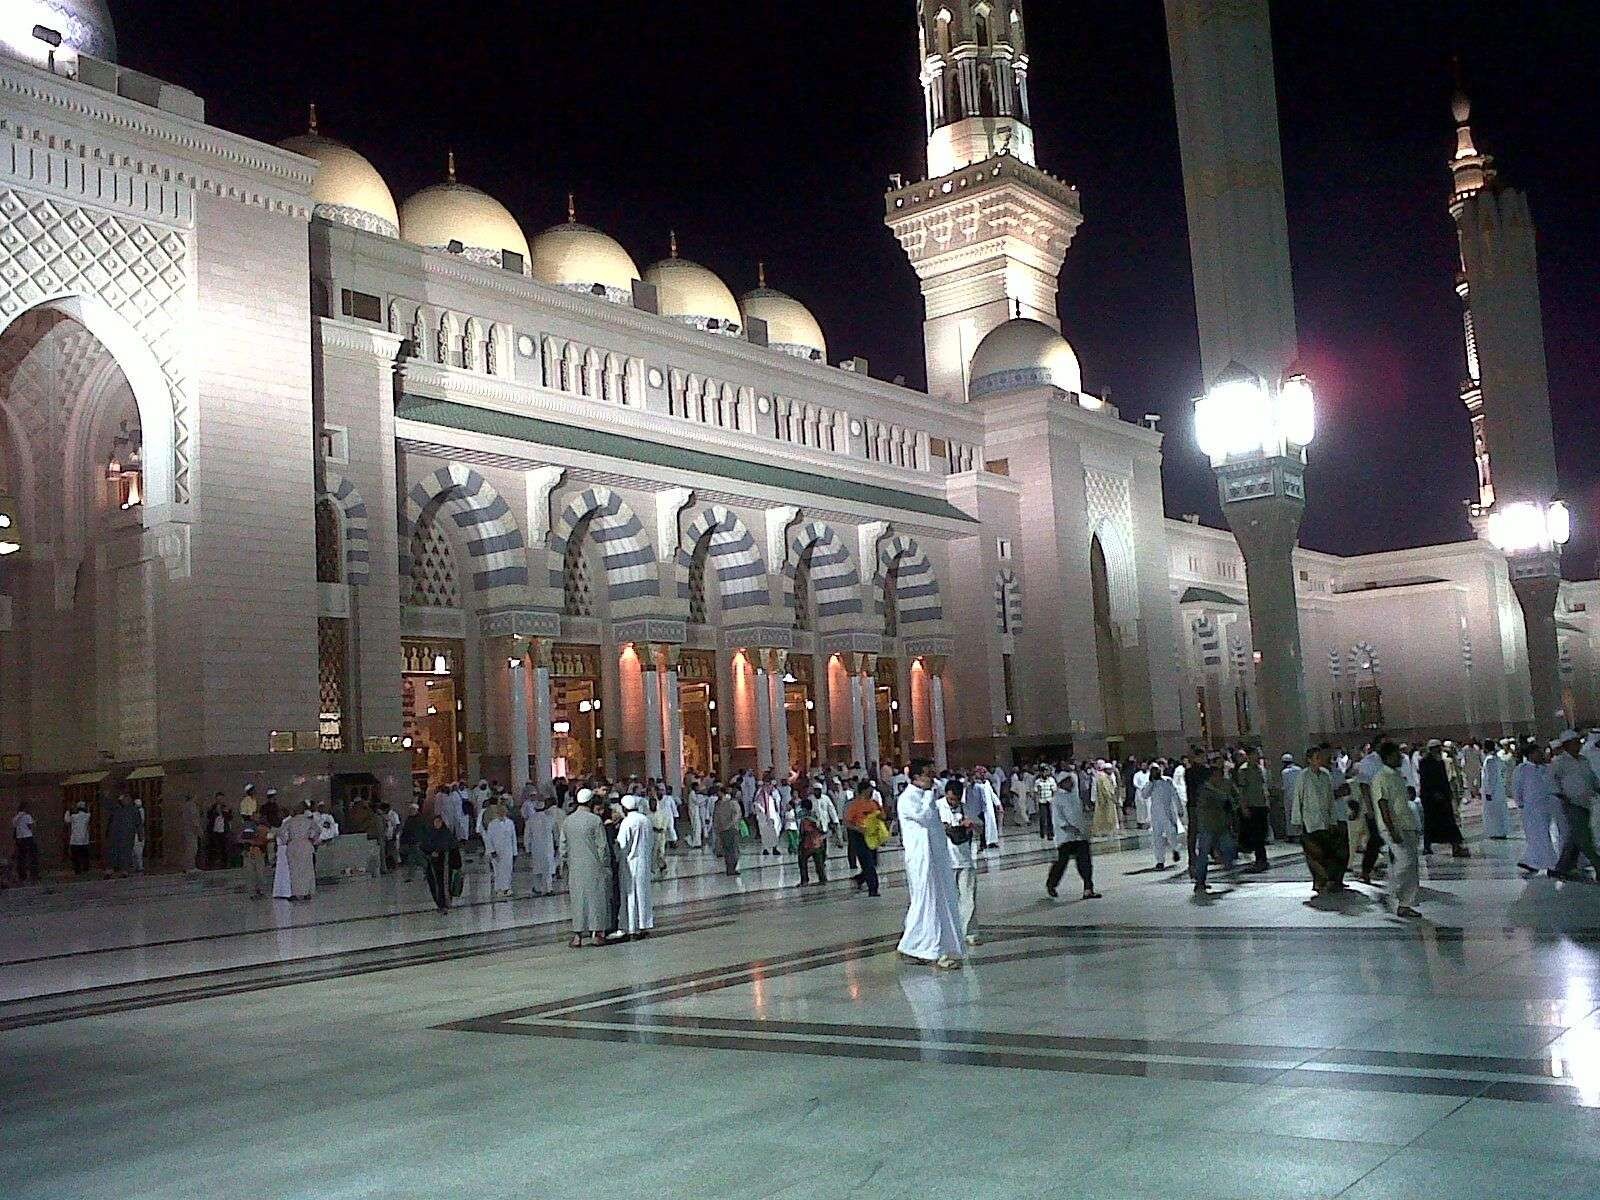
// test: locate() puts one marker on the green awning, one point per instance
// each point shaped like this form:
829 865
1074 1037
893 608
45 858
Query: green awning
1202 595
757 470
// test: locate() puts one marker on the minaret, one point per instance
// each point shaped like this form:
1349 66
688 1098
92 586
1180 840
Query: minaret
1508 399
986 231
1471 172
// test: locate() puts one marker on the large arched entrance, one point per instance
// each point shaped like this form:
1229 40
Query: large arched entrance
77 665
1107 648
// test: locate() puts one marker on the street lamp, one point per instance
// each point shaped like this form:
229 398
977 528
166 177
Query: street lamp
1530 534
1255 432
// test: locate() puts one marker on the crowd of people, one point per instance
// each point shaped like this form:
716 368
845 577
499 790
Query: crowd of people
1380 810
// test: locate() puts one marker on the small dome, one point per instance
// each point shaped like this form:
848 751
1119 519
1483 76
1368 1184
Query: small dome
348 188
84 25
453 212
1023 353
582 259
790 325
693 294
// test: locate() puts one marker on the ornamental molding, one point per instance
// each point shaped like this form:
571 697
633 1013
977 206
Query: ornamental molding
159 146
650 629
520 622
852 642
915 646
757 636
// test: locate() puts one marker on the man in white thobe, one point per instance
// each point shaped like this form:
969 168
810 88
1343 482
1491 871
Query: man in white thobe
500 840
932 934
1160 800
1290 779
1141 798
539 830
635 852
1541 809
1400 829
991 808
963 814
1496 784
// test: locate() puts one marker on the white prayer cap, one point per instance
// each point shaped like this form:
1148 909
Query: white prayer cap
630 802
1288 758
585 795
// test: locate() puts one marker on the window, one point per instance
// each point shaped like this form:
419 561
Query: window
998 466
361 306
335 444
980 25
1002 547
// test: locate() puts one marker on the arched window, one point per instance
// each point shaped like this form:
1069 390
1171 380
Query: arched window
985 91
577 580
980 23
802 592
491 351
952 96
697 582
943 21
891 601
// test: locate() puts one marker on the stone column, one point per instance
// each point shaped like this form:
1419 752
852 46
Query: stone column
763 718
651 681
778 665
1537 597
674 745
517 680
935 668
543 751
858 744
869 705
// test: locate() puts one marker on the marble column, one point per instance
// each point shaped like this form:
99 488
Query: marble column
543 751
858 744
941 753
777 668
763 720
517 680
650 678
674 711
869 705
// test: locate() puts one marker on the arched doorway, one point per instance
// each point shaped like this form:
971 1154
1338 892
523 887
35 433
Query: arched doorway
1107 649
79 661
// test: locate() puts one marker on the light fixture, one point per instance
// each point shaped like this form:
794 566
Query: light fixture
441 665
788 677
406 742
894 706
1297 410
1525 527
584 706
711 705
513 663
595 703
432 711
810 704
1242 415
561 727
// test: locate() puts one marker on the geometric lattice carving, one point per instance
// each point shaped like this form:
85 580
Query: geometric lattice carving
905 578
577 580
140 271
697 582
834 580
331 652
626 555
433 568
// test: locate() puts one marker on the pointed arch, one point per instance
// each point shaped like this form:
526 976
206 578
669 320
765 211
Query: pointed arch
916 590
355 534
493 539
625 551
1007 602
835 582
1122 579
732 552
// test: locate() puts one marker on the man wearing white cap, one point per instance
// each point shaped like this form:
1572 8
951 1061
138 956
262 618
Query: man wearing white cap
635 851
1576 784
1289 779
1535 792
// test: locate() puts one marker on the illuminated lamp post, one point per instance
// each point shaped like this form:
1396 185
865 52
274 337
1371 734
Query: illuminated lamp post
1255 435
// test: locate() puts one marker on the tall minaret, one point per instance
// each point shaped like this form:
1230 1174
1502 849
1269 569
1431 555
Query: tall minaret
1471 172
1508 399
986 231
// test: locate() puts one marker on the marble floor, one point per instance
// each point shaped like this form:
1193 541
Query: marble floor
183 1041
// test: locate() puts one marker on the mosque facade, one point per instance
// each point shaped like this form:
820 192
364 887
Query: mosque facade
342 495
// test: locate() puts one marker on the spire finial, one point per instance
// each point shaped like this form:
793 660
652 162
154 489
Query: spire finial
311 120
572 209
672 242
1017 304
449 166
761 274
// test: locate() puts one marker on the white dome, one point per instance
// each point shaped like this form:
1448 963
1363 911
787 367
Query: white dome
1023 353
693 294
790 325
84 25
580 258
453 212
348 188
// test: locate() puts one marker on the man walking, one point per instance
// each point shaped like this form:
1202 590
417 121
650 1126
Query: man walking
963 827
725 817
867 829
1316 811
1254 821
1214 808
22 833
1575 783
1072 825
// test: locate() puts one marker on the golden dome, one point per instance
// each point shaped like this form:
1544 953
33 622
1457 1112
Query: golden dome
453 212
581 258
790 325
348 188
1023 353
693 294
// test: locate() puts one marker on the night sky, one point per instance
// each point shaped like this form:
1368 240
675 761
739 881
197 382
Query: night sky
761 130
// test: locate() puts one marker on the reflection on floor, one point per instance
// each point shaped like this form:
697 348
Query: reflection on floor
768 1042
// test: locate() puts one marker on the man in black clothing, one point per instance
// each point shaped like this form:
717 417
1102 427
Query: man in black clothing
1438 804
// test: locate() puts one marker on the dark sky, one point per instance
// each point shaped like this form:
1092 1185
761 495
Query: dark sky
768 130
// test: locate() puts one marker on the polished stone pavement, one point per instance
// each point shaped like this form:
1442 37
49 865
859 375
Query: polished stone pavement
188 1042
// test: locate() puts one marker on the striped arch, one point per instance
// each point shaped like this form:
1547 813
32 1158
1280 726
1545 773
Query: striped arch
835 582
1007 603
916 591
357 540
741 571
494 542
625 552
